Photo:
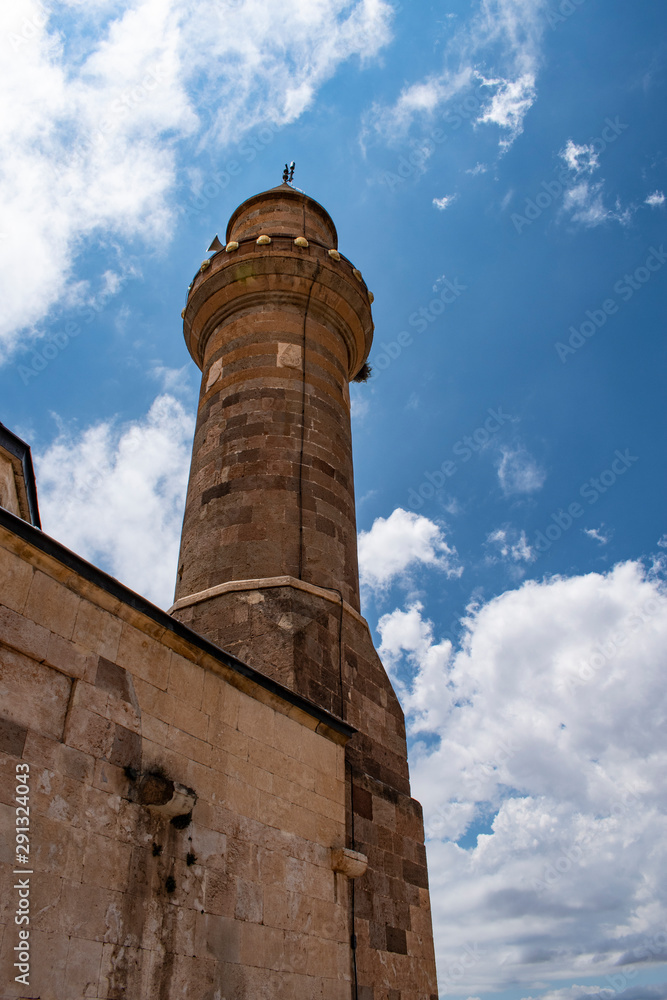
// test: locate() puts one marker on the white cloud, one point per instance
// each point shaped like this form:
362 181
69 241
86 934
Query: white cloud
518 472
581 159
656 200
89 132
398 544
583 199
545 732
509 106
597 534
584 202
511 545
116 495
505 34
445 202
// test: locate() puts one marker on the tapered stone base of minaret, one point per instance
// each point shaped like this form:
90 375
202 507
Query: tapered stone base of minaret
299 636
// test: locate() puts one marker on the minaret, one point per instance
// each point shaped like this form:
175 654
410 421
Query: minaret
279 322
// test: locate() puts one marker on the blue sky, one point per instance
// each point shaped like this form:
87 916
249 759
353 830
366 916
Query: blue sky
497 169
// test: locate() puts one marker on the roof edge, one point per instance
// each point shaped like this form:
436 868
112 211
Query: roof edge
49 546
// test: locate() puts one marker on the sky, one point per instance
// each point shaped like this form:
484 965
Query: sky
497 169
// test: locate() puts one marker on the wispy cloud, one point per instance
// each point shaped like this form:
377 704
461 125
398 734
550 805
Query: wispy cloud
583 199
510 544
585 204
444 202
509 106
503 34
518 472
656 200
580 159
597 534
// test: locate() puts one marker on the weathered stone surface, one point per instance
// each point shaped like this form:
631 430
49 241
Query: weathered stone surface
129 904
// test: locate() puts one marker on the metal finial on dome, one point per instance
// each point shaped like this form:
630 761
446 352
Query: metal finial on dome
288 173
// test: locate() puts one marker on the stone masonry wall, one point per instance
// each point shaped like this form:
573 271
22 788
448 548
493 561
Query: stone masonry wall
239 901
302 640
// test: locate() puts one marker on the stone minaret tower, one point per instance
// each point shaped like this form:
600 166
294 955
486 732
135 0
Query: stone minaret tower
279 322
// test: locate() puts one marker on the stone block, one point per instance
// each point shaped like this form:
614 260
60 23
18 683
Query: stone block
219 893
287 737
249 901
89 732
69 657
261 946
191 720
256 720
34 696
99 811
396 940
416 874
322 958
144 657
318 752
124 714
242 798
221 700
84 961
91 698
272 866
218 937
52 605
87 911
12 738
126 748
242 859
210 847
22 634
276 907
97 630
76 765
154 730
106 862
121 971
15 579
226 740
186 681
384 812
114 680
256 777
188 746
